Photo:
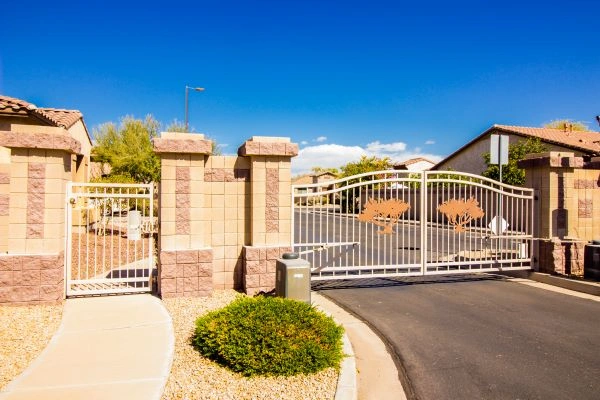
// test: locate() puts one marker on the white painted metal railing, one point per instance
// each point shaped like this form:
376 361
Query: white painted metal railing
402 223
110 244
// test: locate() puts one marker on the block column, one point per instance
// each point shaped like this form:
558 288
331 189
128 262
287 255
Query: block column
551 175
34 170
271 209
185 258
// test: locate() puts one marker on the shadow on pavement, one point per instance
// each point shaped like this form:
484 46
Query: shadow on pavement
334 284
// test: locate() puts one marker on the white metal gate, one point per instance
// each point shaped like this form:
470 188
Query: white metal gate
403 223
110 245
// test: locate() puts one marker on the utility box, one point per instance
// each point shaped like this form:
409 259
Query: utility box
292 279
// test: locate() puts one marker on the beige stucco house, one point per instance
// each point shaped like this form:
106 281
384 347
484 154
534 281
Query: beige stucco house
19 116
415 164
469 158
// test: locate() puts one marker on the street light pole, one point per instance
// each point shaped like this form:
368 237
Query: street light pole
187 90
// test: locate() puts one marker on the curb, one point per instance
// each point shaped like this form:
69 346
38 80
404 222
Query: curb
588 287
346 385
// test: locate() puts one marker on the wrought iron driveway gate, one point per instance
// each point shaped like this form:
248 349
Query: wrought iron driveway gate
403 223
109 247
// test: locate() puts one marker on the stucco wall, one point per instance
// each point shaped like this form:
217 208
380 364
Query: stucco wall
470 159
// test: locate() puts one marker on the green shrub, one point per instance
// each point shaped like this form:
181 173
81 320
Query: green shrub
269 336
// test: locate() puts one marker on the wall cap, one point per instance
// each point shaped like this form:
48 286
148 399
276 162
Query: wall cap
268 146
40 140
180 142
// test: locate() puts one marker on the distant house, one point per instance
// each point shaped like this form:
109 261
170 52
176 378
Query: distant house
314 178
469 158
321 178
415 164
19 116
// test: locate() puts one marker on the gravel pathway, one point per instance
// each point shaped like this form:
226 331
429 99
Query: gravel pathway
195 377
24 333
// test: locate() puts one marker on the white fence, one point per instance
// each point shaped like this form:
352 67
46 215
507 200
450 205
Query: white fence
110 244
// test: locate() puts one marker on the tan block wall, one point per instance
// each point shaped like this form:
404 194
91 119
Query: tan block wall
470 158
565 217
222 204
227 183
32 213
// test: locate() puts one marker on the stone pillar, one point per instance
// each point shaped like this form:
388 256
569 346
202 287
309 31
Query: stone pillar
35 167
185 256
271 209
559 211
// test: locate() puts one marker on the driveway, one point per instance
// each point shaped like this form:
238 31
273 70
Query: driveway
481 336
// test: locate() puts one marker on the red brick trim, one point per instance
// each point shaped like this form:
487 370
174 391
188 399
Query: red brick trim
182 201
48 141
31 279
4 205
272 201
36 200
226 175
186 273
259 267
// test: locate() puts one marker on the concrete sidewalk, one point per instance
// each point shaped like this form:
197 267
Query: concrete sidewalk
114 347
375 376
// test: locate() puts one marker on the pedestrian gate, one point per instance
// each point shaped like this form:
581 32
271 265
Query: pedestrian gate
403 223
109 246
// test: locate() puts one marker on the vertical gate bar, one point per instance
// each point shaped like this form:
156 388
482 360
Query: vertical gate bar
102 211
69 238
423 222
354 223
88 228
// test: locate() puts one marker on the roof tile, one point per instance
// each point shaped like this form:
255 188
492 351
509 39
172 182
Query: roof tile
587 141
53 116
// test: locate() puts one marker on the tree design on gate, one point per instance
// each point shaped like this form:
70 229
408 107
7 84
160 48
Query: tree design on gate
460 212
384 213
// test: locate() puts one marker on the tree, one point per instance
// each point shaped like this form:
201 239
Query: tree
511 173
366 164
567 125
128 148
350 199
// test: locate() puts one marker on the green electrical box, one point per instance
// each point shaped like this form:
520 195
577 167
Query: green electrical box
293 278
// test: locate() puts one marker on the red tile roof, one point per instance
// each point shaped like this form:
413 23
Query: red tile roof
58 117
52 116
586 141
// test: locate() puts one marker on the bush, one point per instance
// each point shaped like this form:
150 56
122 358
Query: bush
269 336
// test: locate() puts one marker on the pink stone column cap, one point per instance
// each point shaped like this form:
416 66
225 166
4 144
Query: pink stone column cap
177 142
268 146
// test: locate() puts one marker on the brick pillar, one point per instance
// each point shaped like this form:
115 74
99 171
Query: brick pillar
34 169
271 205
185 255
561 208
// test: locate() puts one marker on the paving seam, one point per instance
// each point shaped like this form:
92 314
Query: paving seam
32 389
396 357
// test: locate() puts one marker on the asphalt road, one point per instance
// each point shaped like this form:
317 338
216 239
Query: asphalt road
480 337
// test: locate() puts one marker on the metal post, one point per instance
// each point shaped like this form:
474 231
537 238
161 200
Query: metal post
187 89
186 107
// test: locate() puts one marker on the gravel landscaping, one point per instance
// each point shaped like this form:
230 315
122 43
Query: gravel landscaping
24 333
195 377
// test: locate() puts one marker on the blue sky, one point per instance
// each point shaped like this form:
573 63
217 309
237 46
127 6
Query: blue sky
342 78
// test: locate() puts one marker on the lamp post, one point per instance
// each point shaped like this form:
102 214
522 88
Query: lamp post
187 91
